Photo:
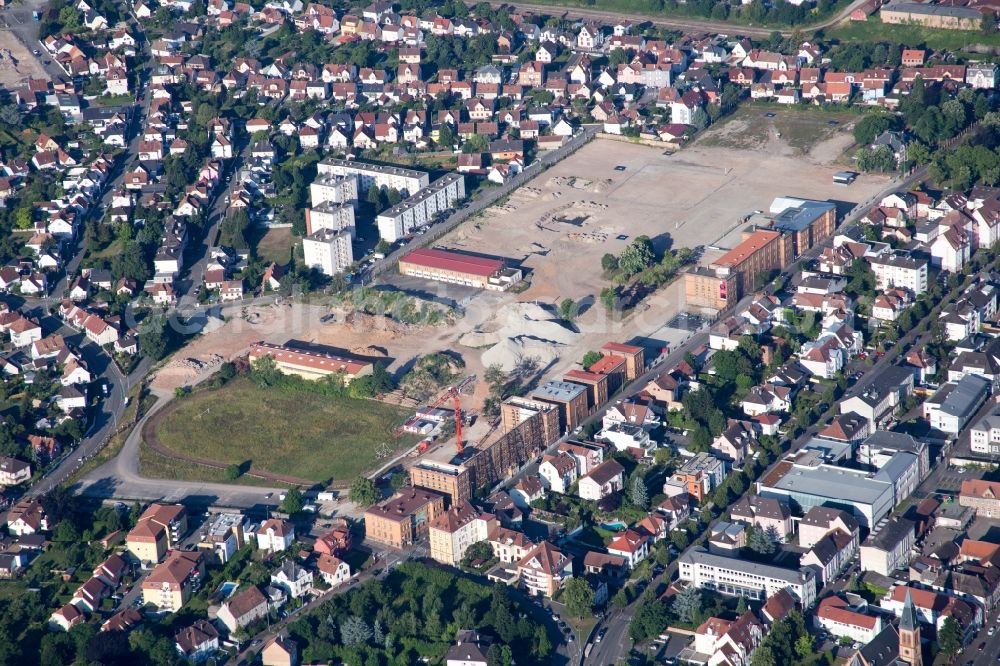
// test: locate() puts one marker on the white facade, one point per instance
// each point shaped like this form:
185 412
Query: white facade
328 251
737 577
421 208
330 215
900 271
336 189
406 181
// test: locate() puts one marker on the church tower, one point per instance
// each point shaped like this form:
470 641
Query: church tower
909 635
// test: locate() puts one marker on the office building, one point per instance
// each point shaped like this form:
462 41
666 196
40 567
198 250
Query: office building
571 400
955 403
736 577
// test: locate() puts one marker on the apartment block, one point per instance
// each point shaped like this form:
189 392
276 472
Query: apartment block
516 410
569 398
900 270
330 215
170 584
329 251
634 356
407 181
403 520
451 480
333 189
159 529
420 207
454 530
761 253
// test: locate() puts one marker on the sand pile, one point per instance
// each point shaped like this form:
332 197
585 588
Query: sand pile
520 331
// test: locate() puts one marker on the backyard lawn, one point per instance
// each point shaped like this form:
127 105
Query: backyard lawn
295 433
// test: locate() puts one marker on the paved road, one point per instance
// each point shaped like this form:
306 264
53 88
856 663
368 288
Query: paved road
682 24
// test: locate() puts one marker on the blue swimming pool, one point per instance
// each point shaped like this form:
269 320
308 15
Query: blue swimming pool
226 589
614 527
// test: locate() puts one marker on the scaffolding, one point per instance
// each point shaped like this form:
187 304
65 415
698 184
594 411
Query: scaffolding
503 457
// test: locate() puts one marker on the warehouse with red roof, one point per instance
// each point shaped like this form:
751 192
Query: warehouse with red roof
459 268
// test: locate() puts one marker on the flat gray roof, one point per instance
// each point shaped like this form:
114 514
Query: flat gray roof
791 576
557 390
833 483
896 441
963 399
990 421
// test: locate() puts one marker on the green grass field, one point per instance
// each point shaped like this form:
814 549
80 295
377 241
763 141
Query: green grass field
873 30
275 244
296 433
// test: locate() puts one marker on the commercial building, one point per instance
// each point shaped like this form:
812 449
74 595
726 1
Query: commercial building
955 403
330 215
932 16
900 270
159 529
836 616
311 364
761 253
806 482
803 222
736 577
706 288
458 268
821 520
406 181
569 398
170 584
882 446
403 519
451 532
596 383
224 535
883 396
421 207
890 548
327 250
451 480
516 410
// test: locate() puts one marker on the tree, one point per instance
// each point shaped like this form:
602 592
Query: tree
568 309
233 472
363 492
578 597
609 262
264 372
293 502
609 297
617 57
988 23
870 127
758 542
638 255
638 494
950 636
590 358
446 136
804 646
155 338
355 631
131 262
687 604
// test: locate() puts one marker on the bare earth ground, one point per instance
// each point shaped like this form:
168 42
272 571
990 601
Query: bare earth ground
16 62
559 226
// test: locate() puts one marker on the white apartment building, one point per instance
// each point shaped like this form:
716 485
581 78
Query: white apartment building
900 270
330 215
420 208
335 189
889 549
406 181
986 433
328 251
737 577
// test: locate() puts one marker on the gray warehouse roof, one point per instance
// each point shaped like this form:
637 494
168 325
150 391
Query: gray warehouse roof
963 400
833 483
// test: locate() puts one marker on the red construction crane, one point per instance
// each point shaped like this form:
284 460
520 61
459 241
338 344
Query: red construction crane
453 393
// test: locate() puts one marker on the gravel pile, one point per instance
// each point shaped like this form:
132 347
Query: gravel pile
520 331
